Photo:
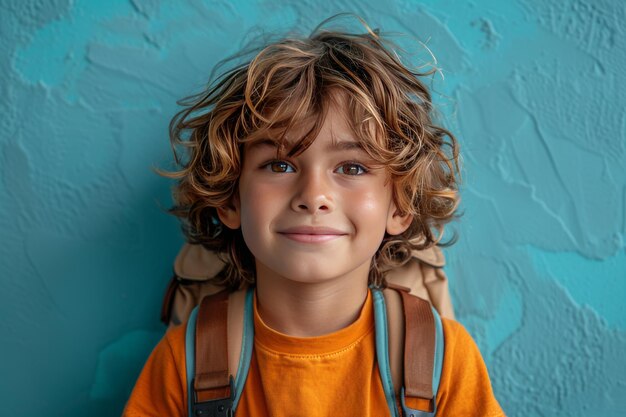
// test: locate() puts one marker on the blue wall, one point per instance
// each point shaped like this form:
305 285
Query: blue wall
533 88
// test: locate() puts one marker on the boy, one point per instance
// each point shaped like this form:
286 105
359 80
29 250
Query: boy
314 169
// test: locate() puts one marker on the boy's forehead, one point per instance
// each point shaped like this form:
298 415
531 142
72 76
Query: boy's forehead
335 131
335 126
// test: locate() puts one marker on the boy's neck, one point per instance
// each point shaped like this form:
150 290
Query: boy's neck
310 309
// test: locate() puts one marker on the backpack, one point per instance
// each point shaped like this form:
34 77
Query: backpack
220 332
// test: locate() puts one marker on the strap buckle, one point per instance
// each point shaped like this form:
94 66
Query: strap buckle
410 412
218 407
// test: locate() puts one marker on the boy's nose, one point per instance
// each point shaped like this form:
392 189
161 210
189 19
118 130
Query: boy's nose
314 195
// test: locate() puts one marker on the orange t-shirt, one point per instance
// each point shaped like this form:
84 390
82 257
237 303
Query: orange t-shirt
330 375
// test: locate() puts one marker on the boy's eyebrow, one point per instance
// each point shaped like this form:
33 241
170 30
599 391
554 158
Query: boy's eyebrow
339 145
264 142
346 145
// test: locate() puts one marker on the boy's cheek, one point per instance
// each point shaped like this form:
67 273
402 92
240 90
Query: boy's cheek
368 200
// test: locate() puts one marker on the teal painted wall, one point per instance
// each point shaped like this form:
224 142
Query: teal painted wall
533 88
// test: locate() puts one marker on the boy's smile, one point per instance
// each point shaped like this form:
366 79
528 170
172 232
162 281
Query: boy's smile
317 216
311 234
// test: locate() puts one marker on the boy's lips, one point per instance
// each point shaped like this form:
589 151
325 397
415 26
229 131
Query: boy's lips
311 234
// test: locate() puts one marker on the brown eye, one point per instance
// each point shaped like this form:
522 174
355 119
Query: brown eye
352 169
280 166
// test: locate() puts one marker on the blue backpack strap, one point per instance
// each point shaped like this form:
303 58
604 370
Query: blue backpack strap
219 406
190 356
432 323
439 343
382 350
247 343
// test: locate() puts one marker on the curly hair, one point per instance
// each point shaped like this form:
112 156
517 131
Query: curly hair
289 82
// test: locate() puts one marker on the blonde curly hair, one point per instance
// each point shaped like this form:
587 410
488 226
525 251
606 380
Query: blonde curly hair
288 82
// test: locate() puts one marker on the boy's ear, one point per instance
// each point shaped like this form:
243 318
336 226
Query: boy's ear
397 222
230 215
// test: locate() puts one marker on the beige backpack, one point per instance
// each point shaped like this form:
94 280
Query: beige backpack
422 276
219 332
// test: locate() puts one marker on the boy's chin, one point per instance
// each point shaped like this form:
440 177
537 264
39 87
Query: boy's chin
314 274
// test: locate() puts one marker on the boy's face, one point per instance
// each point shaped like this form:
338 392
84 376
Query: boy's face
318 216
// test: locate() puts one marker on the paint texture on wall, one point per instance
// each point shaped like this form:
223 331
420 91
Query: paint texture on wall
533 89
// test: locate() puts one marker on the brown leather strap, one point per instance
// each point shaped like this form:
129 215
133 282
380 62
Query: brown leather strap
419 346
236 308
212 374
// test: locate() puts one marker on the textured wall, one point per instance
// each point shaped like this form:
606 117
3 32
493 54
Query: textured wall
533 88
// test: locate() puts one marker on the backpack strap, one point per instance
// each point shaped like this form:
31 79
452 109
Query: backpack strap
419 346
218 345
409 349
399 319
382 350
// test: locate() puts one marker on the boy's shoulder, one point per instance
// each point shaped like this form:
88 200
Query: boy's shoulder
175 338
455 332
465 387
171 348
460 347
161 386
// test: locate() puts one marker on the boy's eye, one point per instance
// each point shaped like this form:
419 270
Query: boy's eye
280 166
352 169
